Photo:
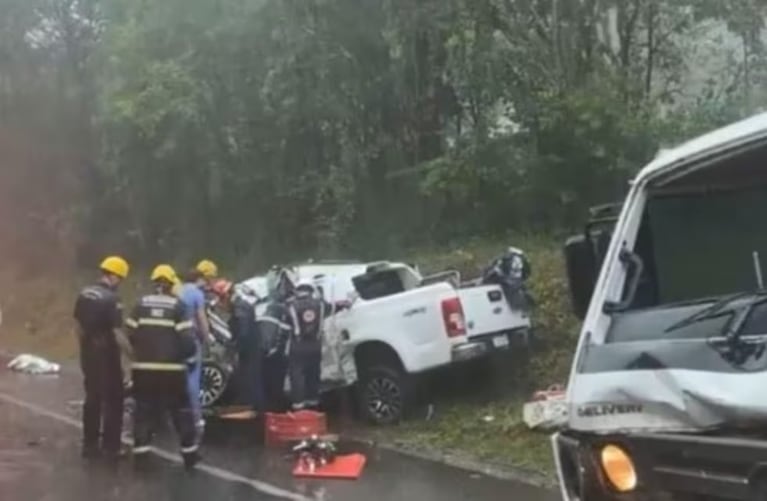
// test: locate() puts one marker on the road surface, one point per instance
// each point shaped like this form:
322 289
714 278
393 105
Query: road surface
39 461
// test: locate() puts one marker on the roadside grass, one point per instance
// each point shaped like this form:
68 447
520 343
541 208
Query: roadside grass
36 311
492 434
481 421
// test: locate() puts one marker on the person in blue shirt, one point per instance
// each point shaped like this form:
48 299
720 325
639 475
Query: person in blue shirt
192 296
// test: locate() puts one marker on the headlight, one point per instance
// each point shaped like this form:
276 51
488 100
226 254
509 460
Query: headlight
619 468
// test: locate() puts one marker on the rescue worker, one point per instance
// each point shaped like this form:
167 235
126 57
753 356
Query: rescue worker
193 299
163 345
209 271
98 312
242 324
275 329
307 312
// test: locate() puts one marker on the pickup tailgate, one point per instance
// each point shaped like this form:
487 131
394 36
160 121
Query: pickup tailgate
487 312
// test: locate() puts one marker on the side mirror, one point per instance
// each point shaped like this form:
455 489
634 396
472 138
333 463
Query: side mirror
583 259
581 266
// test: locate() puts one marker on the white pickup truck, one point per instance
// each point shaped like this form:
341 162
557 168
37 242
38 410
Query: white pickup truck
401 325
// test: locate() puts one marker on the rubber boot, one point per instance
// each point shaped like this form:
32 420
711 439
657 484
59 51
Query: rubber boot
191 459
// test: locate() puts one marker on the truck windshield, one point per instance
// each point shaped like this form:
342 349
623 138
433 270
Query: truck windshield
697 242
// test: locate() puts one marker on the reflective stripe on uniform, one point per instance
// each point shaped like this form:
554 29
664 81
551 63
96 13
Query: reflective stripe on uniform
141 450
131 323
157 366
157 322
187 324
190 449
158 300
272 320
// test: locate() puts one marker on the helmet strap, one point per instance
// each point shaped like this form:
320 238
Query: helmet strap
110 279
163 286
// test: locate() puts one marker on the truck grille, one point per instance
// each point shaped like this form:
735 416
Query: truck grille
713 468
675 467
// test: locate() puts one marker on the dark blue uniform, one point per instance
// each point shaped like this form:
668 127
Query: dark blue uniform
274 330
307 314
163 344
99 313
246 334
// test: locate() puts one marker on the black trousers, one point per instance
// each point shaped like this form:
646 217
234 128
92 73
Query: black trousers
251 373
103 404
159 394
275 370
304 364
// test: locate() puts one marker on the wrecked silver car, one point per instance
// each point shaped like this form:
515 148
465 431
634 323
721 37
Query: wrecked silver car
666 397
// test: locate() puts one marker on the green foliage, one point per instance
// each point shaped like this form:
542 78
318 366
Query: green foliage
359 126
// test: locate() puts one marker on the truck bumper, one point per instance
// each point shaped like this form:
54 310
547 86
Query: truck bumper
669 467
486 344
468 351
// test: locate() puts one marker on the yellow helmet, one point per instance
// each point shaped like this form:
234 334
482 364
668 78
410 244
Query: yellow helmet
207 268
164 272
116 266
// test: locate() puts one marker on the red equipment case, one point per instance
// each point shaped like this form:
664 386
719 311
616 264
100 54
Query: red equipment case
293 426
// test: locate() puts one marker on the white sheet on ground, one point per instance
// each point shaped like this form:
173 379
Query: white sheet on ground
32 364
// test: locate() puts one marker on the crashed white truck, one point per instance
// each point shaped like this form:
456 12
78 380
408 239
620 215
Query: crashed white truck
401 325
666 397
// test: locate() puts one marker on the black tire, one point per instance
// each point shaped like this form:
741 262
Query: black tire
214 383
383 395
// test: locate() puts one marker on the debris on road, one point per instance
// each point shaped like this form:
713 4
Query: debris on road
32 364
547 410
314 453
347 467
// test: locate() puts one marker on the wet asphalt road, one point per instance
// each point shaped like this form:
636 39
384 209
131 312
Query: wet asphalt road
39 461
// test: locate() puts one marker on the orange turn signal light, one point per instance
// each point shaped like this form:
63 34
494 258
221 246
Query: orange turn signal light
619 468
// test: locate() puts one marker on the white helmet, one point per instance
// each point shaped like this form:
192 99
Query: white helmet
306 288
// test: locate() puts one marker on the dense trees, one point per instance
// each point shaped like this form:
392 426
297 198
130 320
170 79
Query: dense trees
272 129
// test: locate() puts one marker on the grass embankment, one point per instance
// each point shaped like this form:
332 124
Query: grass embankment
36 312
481 421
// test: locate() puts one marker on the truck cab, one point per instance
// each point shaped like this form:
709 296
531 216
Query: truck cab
665 396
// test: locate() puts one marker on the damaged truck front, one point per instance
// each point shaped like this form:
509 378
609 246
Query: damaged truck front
667 396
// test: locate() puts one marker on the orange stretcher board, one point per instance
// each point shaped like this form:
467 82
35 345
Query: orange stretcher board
348 467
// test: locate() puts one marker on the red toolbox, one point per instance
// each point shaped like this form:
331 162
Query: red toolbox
293 426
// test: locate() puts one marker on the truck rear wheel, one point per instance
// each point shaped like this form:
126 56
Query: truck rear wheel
383 395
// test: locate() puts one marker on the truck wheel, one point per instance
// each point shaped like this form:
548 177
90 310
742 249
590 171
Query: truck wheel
383 395
214 382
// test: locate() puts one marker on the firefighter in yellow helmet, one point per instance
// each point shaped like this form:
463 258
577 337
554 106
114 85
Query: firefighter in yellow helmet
208 269
98 312
163 346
